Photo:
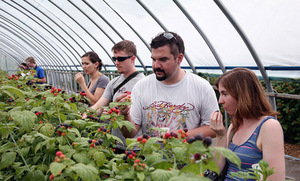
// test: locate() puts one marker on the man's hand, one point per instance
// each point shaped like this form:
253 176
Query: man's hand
125 96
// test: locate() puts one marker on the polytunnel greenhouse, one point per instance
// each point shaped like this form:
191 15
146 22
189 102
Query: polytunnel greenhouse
52 131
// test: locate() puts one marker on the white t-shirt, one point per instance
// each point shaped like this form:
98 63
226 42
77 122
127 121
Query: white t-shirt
186 104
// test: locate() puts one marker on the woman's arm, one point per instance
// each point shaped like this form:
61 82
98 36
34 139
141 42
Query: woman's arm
270 141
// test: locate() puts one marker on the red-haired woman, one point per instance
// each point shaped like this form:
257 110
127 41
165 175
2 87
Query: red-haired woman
254 134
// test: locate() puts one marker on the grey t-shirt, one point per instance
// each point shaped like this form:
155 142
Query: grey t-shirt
108 94
102 82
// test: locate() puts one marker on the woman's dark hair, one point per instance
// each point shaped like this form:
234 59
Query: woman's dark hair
93 58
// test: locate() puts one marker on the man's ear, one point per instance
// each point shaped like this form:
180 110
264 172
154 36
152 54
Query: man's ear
132 59
179 58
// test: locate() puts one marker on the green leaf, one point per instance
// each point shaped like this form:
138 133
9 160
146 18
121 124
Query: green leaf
163 175
154 157
179 152
230 155
81 157
140 175
24 151
12 91
36 175
191 168
8 158
86 172
128 125
189 177
49 101
166 165
5 147
24 118
74 130
47 129
151 141
99 158
73 106
55 168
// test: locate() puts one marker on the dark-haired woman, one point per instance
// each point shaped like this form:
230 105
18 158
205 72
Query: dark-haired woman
254 134
92 64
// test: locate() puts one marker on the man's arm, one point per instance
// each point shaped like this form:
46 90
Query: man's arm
100 103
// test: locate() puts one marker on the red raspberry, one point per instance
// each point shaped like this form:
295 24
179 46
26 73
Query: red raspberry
63 134
144 141
130 156
139 139
59 153
109 112
137 161
55 94
92 145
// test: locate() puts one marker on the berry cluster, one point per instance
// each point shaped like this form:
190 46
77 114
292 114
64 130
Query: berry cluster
72 99
82 93
55 90
129 155
199 137
114 110
143 139
10 100
103 130
138 165
95 142
37 113
29 82
63 126
59 158
13 76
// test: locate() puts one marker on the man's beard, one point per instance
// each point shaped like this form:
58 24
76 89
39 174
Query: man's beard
160 78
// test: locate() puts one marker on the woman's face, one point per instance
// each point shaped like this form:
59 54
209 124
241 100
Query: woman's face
228 102
88 66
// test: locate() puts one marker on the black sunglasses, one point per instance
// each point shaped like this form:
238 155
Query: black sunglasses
121 59
169 36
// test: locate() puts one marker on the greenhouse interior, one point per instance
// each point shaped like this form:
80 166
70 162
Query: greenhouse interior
53 130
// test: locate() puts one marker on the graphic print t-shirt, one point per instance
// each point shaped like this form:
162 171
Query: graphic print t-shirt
186 104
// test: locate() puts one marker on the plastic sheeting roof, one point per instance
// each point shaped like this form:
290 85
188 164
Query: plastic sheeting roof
58 32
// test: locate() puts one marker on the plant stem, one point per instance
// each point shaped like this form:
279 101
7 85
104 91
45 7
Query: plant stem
12 137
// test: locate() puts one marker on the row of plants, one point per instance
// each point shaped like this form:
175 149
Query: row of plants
288 108
44 138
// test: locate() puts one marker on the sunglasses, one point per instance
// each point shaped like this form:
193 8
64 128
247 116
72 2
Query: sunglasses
120 59
169 36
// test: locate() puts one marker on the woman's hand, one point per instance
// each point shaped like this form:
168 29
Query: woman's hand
79 78
217 125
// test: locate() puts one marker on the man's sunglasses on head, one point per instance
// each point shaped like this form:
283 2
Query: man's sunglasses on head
121 59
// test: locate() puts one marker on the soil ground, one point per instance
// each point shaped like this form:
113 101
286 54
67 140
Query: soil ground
292 150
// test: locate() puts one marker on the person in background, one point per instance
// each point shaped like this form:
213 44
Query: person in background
124 55
171 97
254 134
40 77
92 64
23 66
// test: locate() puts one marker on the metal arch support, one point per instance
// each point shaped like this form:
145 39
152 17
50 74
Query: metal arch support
12 48
82 28
251 49
165 29
8 54
37 34
30 35
37 23
59 27
48 30
210 46
140 37
23 39
68 27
